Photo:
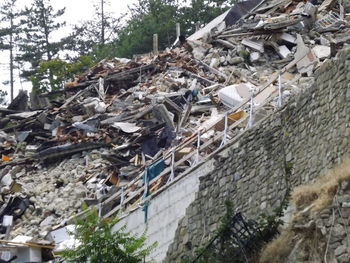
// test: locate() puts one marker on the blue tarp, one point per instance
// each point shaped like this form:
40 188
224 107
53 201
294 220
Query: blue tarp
153 171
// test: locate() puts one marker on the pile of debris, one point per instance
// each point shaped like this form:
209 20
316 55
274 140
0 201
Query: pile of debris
126 128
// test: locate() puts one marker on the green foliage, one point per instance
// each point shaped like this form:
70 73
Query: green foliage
61 71
226 219
58 69
103 36
102 51
245 55
223 247
148 17
99 244
10 19
269 223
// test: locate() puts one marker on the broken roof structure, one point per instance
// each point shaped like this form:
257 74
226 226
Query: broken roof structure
125 129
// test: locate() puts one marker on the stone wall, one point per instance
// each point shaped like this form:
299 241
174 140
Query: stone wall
331 228
311 133
333 224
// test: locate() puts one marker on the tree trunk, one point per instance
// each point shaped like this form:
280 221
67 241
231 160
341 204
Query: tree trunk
47 43
11 57
102 23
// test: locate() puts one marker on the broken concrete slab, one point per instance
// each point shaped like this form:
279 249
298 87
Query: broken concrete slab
322 52
254 44
304 57
288 37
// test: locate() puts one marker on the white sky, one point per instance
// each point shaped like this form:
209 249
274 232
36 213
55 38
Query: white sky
76 10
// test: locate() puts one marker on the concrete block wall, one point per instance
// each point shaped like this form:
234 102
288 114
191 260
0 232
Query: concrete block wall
165 210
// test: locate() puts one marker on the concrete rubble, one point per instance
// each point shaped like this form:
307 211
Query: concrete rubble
92 141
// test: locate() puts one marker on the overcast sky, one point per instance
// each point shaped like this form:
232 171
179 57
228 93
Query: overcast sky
76 10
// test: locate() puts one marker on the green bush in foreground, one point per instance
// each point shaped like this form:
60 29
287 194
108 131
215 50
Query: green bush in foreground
99 244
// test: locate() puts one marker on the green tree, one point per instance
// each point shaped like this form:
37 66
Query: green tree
98 243
148 17
41 23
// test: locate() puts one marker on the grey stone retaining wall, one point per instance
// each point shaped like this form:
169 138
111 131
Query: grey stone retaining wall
311 133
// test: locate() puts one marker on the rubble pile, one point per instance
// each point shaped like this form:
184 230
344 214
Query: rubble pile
125 128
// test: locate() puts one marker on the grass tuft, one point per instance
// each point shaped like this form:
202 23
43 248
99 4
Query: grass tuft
321 193
278 249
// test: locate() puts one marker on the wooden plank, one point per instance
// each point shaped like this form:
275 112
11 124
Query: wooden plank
27 244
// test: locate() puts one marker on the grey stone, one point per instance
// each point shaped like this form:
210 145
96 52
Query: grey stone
340 250
263 205
235 60
339 231
345 258
47 221
343 198
346 204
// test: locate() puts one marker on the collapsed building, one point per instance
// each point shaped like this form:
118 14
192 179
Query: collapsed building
126 128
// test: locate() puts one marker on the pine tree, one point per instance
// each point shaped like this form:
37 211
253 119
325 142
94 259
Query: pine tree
38 46
10 33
